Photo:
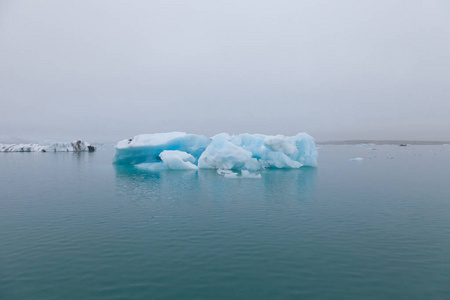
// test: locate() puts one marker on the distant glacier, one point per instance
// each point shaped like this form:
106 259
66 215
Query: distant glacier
75 146
179 150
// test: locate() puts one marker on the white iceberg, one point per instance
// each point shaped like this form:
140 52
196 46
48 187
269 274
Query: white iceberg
178 160
178 150
75 146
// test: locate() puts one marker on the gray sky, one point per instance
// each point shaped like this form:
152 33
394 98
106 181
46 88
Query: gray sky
108 70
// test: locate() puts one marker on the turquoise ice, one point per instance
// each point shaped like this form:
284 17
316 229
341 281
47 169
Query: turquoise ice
179 150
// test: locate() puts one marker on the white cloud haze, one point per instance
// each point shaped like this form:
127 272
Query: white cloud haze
108 70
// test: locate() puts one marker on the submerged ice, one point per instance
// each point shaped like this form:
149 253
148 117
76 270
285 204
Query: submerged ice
179 150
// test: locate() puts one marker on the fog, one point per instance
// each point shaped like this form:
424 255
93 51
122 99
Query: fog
108 70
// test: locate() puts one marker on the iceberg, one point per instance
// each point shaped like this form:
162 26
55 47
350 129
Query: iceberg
75 146
251 152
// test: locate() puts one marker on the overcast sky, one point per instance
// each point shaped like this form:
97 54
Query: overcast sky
108 70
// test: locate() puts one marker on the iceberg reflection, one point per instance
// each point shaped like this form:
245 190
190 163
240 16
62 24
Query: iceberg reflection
206 185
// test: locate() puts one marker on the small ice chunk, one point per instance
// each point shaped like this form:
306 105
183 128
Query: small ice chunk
178 160
247 174
231 174
227 173
356 159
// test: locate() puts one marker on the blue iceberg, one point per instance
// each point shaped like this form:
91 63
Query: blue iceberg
179 150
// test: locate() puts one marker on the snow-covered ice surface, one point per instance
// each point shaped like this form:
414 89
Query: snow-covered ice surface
178 150
75 146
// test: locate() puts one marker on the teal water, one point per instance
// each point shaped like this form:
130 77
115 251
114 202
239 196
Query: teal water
74 226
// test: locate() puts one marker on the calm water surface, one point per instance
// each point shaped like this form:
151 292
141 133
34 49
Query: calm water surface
74 226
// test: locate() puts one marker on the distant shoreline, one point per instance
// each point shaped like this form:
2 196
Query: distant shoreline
384 142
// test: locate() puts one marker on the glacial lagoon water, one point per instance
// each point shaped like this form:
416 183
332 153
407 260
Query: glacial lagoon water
74 226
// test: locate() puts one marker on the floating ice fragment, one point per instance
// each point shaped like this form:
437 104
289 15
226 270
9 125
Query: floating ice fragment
247 174
178 160
356 159
231 174
227 173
